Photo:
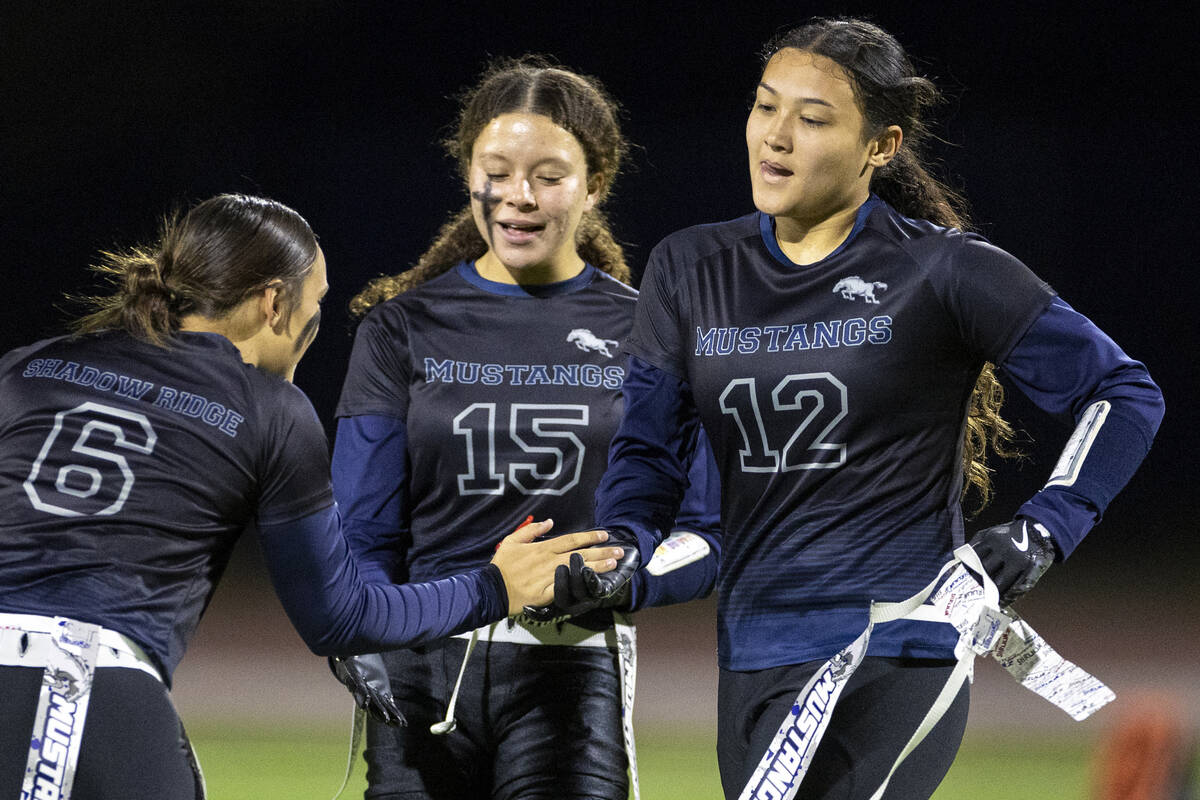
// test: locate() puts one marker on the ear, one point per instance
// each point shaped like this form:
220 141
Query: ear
883 148
597 184
270 305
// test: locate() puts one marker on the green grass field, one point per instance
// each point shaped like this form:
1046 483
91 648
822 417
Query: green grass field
300 762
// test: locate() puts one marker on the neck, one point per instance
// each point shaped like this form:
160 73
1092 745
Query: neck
245 341
808 241
560 269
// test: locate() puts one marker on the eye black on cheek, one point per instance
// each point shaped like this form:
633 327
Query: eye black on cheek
489 202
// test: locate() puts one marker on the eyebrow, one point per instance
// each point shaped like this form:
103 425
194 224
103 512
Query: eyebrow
802 100
541 162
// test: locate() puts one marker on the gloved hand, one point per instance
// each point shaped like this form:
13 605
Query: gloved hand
1015 555
579 589
367 679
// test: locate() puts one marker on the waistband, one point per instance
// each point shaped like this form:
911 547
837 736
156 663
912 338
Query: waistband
516 630
25 639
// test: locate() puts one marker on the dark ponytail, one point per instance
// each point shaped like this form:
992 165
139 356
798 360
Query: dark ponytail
205 262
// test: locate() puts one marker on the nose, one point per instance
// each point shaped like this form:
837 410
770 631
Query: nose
776 136
520 194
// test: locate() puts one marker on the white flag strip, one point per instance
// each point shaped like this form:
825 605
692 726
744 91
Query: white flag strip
966 599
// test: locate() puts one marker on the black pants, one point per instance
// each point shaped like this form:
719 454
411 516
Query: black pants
879 710
534 721
134 747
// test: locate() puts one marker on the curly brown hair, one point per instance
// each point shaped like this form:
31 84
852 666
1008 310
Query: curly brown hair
531 84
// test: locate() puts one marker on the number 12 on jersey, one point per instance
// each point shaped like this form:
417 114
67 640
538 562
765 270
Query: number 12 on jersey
548 457
805 408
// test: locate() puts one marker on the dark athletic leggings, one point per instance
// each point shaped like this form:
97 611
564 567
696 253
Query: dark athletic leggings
535 722
134 747
879 710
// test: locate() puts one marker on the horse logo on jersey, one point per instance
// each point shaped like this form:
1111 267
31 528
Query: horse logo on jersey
587 341
855 286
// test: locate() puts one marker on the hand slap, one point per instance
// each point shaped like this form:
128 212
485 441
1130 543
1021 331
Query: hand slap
528 565
579 587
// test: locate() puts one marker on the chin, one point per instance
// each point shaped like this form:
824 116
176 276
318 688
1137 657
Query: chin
769 204
521 259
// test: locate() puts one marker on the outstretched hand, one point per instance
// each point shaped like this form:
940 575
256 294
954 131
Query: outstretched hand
529 566
578 588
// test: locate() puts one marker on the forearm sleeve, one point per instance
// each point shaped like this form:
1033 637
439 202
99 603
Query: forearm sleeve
336 613
699 513
370 482
647 470
1069 367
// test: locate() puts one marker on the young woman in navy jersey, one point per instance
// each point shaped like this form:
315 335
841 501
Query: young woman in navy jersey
838 348
484 387
132 455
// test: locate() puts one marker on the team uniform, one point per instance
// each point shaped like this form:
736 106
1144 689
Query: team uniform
469 406
127 472
835 395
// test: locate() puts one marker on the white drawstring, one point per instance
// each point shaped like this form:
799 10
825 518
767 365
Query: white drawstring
448 724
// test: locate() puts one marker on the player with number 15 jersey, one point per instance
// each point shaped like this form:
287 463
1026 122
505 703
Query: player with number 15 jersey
484 388
510 396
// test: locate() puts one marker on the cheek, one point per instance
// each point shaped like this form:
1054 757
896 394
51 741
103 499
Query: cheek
752 135
309 332
565 204
484 199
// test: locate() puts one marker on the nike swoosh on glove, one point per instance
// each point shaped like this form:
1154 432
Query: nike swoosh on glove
1015 555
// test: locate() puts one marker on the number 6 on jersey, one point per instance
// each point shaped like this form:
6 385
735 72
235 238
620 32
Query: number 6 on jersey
80 465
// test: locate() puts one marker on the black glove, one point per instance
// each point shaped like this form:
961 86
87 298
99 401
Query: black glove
1015 555
579 589
367 679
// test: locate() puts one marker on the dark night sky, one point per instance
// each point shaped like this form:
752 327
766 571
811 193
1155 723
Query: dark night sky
1068 132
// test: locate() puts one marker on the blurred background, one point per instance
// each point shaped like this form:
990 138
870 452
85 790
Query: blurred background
1072 134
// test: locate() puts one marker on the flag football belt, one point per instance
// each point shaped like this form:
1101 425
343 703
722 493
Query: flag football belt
966 599
519 630
68 652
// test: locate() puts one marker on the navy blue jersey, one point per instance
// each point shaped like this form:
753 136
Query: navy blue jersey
127 472
505 399
834 396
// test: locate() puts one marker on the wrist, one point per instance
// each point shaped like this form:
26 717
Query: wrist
494 592
1041 536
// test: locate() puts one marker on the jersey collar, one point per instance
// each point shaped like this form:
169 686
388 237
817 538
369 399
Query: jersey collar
766 228
467 271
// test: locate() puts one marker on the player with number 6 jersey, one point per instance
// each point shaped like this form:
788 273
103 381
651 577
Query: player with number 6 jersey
132 456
